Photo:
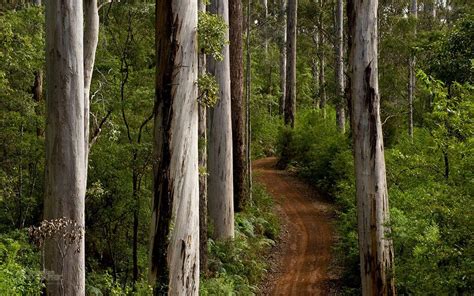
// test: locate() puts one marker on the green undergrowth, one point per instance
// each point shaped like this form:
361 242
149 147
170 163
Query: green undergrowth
430 214
238 266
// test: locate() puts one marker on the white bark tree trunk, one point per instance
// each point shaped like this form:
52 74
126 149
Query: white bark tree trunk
91 38
220 181
375 248
340 103
174 242
65 151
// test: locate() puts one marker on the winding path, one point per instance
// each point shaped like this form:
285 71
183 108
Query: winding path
304 255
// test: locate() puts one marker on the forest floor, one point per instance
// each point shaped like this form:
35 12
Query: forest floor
301 263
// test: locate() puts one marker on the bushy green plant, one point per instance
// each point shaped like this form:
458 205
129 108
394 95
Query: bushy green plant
18 273
237 266
211 34
103 284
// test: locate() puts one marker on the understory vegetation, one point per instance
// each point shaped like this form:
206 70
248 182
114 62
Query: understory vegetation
431 226
239 265
430 175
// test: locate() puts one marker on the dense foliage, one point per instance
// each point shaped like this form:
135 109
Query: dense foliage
430 177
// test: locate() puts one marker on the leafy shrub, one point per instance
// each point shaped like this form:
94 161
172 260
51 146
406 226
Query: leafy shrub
238 265
18 274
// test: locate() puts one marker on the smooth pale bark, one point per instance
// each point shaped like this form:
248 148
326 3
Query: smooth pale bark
202 134
340 101
237 90
174 242
91 38
65 152
290 97
375 247
283 55
411 74
220 181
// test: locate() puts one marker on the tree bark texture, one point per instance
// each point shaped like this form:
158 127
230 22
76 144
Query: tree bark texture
174 242
220 181
375 248
202 134
65 152
248 88
237 89
91 38
340 100
283 55
290 97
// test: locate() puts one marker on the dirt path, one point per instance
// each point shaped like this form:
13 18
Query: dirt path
303 256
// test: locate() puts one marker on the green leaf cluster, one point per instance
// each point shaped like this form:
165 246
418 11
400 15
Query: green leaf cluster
212 36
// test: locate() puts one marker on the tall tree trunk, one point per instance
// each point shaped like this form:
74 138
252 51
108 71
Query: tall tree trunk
411 74
65 151
322 61
315 69
248 89
265 27
375 248
237 89
221 191
340 100
174 242
202 134
91 38
290 97
283 55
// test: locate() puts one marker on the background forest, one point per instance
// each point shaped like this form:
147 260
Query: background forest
430 169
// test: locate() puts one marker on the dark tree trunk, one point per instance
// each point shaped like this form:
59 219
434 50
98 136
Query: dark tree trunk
237 79
202 136
290 97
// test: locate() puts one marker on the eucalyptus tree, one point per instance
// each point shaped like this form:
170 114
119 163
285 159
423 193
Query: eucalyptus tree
220 180
65 150
375 247
202 134
411 73
290 96
340 100
174 242
322 59
237 89
282 19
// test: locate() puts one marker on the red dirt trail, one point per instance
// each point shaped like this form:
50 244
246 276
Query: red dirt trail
303 255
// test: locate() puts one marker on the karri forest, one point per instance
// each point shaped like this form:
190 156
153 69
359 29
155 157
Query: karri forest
236 147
